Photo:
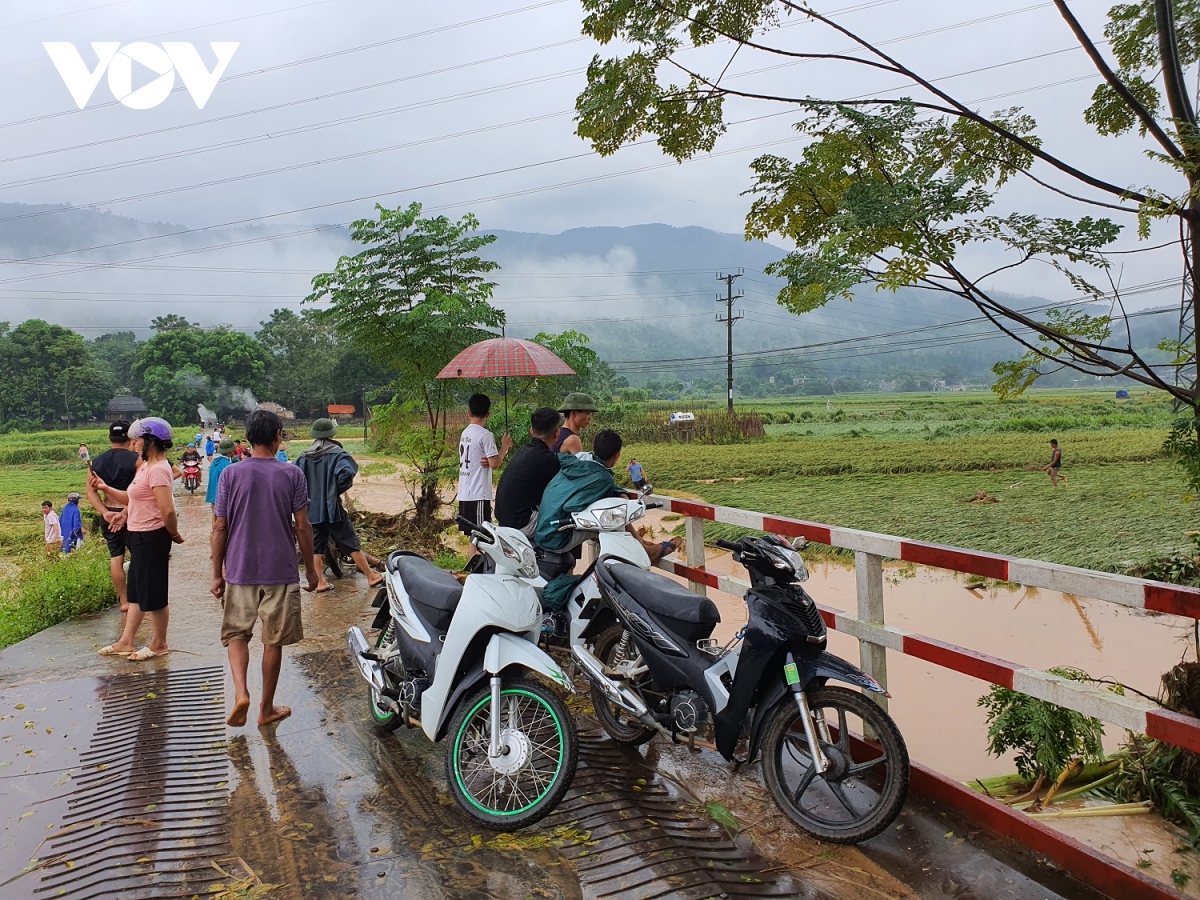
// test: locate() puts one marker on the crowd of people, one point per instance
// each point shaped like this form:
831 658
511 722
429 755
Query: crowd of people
260 504
266 507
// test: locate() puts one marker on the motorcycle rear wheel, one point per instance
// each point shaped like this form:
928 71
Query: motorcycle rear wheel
382 714
618 723
333 559
862 793
517 792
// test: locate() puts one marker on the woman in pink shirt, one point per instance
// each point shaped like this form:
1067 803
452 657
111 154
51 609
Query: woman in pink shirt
151 527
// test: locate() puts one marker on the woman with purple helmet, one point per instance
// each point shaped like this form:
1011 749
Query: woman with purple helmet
152 526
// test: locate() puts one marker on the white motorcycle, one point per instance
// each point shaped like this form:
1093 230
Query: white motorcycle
454 661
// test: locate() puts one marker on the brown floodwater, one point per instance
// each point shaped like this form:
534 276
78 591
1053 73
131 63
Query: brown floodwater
936 708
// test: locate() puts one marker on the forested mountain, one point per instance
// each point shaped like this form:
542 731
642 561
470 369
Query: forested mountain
644 294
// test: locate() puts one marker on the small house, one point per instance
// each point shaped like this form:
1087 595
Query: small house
125 407
277 408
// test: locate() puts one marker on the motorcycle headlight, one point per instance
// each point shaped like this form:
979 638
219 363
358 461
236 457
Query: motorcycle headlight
614 518
523 555
784 558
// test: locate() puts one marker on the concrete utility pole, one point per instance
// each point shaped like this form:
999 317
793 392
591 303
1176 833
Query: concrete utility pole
729 318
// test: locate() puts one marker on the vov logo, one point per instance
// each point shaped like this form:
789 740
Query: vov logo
165 61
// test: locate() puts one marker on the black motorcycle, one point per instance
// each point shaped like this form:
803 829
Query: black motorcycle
834 760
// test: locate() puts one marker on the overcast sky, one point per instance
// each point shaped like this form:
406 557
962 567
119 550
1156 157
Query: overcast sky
330 105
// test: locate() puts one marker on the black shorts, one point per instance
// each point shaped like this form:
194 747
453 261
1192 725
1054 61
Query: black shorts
474 511
149 564
342 532
116 540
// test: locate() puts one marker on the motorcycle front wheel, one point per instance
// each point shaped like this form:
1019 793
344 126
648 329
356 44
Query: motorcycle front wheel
526 783
620 725
862 791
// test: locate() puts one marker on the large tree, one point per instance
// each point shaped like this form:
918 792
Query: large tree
889 190
183 366
413 297
118 350
47 373
304 351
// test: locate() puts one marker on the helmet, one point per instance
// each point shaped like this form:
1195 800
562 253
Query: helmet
135 429
157 427
73 497
191 443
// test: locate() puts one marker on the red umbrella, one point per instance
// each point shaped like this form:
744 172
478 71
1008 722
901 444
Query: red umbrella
504 356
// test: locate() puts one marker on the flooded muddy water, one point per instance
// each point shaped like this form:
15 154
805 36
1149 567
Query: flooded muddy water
936 708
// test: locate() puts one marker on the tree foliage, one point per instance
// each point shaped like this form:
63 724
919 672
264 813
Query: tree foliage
47 373
412 298
1045 737
888 192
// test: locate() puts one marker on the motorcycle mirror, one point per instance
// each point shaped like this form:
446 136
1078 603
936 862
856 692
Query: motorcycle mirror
800 543
647 490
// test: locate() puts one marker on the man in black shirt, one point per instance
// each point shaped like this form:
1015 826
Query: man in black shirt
519 493
116 468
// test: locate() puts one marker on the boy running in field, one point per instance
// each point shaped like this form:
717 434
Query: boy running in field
1054 469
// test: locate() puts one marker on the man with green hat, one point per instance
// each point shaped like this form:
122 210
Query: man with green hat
329 471
578 409
223 458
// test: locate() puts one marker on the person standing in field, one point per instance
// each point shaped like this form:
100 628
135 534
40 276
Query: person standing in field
578 408
84 456
53 531
637 474
254 562
116 467
152 524
1054 469
477 459
71 523
329 472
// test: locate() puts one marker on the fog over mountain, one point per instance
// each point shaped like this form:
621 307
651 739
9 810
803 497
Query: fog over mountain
643 293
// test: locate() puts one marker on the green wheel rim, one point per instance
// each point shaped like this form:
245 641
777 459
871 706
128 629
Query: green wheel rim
458 743
383 718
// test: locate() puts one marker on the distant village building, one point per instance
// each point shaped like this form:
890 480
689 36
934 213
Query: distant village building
341 409
125 407
277 408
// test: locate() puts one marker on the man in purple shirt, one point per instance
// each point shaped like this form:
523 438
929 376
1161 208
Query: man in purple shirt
255 575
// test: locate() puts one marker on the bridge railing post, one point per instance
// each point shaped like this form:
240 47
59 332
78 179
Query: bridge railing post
868 576
694 534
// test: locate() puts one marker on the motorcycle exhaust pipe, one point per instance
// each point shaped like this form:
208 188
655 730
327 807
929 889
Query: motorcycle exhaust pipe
618 694
369 669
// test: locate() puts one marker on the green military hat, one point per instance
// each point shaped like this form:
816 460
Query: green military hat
577 402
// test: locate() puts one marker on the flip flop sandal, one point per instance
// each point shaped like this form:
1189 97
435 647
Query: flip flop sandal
324 590
667 548
144 654
110 651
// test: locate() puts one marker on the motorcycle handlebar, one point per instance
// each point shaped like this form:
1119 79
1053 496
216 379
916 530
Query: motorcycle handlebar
470 528
727 545
654 505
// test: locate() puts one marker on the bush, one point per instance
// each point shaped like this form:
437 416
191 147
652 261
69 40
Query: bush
49 591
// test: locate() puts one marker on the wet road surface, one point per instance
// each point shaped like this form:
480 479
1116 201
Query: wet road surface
121 779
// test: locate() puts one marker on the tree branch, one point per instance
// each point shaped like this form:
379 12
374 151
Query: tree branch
1144 115
959 109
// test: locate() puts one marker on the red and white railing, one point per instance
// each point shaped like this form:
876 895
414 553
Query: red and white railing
875 636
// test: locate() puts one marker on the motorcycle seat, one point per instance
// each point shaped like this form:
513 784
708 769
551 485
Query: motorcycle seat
426 583
664 597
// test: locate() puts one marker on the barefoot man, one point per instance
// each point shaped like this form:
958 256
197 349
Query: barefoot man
254 561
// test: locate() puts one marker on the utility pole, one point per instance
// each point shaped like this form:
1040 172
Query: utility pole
364 406
729 318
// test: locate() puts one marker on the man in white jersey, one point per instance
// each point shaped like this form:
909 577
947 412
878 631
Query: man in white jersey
477 459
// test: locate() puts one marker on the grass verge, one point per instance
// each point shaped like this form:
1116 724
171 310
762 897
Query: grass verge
48 591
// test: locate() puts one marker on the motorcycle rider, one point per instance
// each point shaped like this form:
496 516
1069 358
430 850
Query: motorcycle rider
190 457
519 493
580 483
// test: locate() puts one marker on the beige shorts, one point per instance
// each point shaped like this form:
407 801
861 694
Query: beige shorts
278 605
